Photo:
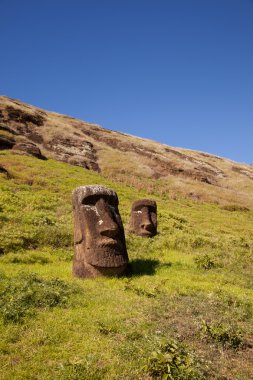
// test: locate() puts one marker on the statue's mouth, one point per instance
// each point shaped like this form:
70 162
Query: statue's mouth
110 242
147 233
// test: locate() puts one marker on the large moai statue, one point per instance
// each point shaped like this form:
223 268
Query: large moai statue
99 239
143 220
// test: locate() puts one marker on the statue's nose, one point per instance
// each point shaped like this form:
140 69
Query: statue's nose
107 225
146 222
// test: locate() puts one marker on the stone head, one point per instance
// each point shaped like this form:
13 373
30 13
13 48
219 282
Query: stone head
99 239
143 221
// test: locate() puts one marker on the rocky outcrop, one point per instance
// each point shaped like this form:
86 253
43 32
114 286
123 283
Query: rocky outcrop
28 122
74 151
22 117
30 149
160 163
19 121
6 142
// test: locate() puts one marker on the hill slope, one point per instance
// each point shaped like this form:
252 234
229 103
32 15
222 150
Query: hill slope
143 163
191 283
188 302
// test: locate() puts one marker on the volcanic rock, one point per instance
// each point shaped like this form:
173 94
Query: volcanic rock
75 151
30 149
6 142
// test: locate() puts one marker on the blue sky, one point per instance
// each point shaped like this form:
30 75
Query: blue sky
175 71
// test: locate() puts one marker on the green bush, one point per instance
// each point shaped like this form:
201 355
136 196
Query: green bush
172 361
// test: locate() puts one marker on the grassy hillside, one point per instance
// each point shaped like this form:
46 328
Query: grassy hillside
184 313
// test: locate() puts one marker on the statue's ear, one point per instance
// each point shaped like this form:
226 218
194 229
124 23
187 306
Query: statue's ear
78 236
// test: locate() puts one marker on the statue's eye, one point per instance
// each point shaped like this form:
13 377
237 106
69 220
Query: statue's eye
137 208
91 200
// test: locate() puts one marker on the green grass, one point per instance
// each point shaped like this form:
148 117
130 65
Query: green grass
196 272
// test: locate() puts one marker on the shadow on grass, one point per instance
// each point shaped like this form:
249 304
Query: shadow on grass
140 267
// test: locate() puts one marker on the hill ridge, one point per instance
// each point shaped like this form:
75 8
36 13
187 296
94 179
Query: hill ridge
124 157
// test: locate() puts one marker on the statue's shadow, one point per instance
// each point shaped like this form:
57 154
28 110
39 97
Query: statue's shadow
141 267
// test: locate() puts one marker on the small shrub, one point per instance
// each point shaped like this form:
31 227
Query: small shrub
205 262
227 336
172 361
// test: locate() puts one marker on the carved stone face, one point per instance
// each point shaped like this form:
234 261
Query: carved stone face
143 221
99 239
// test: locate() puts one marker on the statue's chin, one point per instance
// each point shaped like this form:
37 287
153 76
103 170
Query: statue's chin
106 256
111 271
146 233
93 271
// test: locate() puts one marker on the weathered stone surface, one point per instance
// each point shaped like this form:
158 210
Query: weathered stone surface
143 220
4 127
35 137
30 149
23 117
6 142
159 163
99 239
21 122
75 151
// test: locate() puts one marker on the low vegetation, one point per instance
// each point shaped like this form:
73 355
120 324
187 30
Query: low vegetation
184 313
172 361
21 295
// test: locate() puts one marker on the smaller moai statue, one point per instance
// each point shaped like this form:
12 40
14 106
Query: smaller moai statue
99 238
143 220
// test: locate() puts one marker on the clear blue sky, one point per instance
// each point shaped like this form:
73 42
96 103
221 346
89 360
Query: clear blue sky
175 71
